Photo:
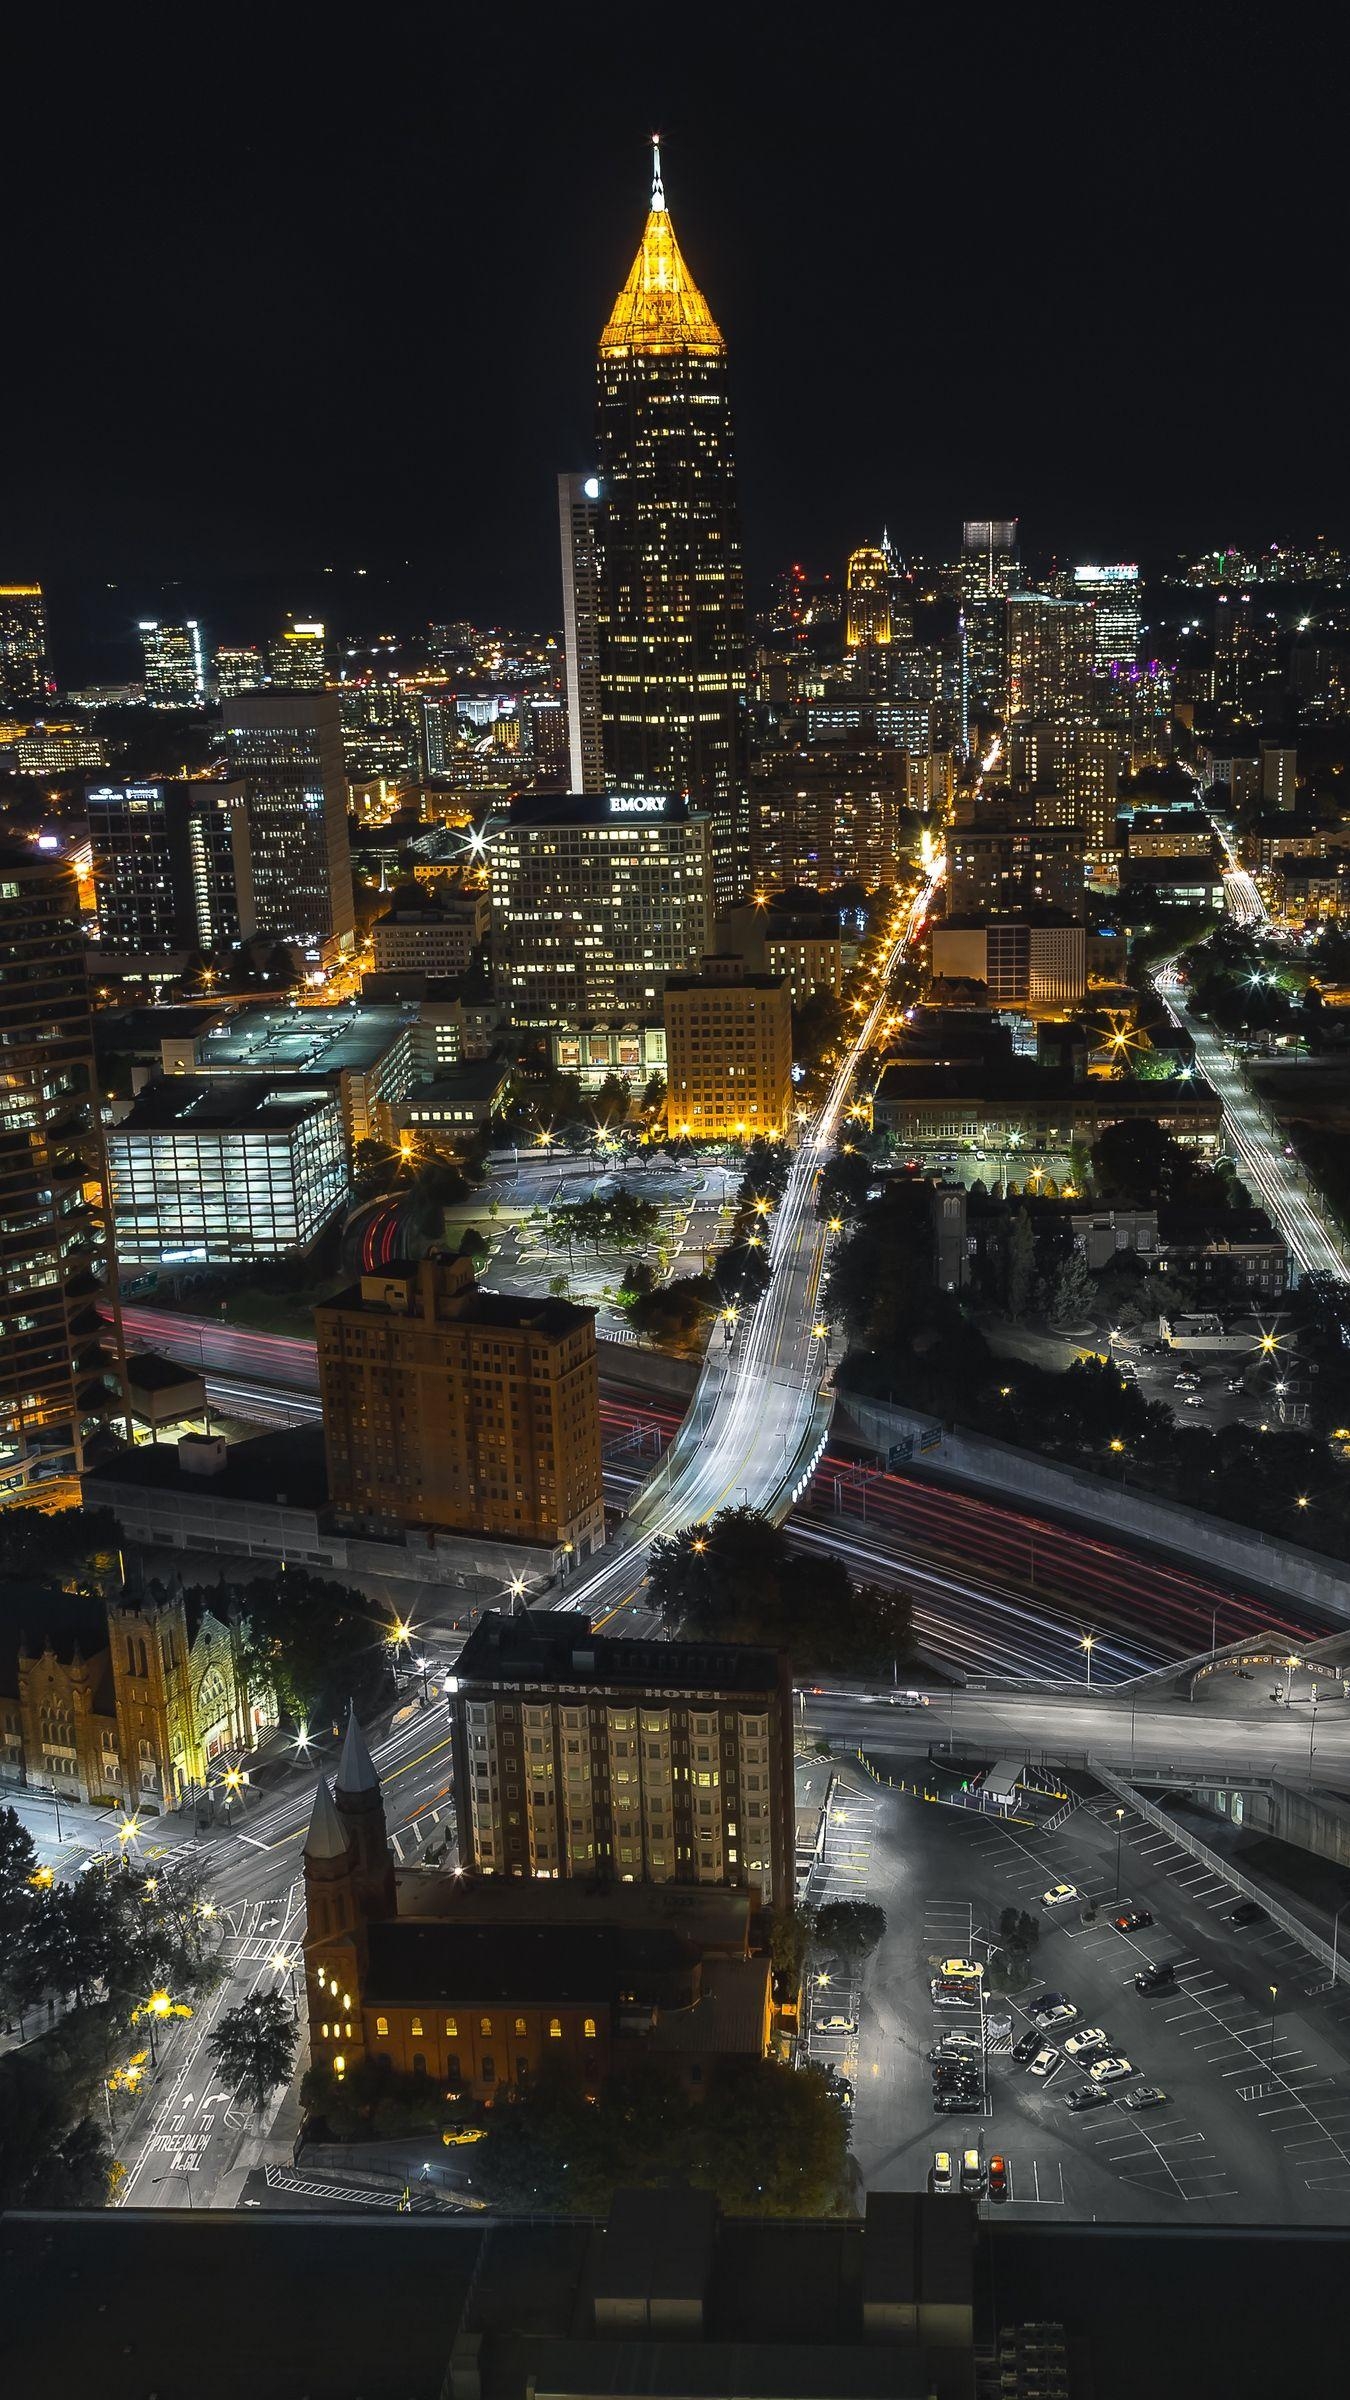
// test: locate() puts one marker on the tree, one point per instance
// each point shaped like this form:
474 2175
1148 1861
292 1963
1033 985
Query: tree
255 2044
1019 1265
736 1578
315 1643
1074 1295
817 1026
852 1928
845 1180
790 1935
674 1313
72 1546
612 1101
51 2154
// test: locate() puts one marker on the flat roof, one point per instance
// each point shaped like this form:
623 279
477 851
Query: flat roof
238 1103
303 1041
287 1467
609 808
538 1646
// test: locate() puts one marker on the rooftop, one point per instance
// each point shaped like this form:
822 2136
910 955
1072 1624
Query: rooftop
285 1468
537 1646
439 1960
660 310
301 1041
243 1102
633 809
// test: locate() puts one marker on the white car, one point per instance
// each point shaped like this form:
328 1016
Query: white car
1047 2062
1111 2070
1088 2037
838 2025
1058 1894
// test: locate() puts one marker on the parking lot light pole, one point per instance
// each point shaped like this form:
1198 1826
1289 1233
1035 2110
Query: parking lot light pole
1273 1990
1120 1828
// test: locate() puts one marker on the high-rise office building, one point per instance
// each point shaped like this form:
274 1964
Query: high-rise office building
239 668
595 902
825 814
1073 774
672 603
1001 861
171 865
297 660
25 675
579 528
175 663
1114 593
60 1387
988 572
1050 657
867 601
286 750
728 1054
455 1410
625 1761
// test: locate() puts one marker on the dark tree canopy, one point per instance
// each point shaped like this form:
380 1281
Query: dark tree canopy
737 1578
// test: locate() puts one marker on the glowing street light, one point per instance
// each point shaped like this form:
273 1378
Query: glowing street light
1088 1644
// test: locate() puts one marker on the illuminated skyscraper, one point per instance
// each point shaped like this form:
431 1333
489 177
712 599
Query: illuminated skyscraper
867 611
24 672
175 663
1114 592
1050 658
672 603
286 750
297 660
579 527
59 1387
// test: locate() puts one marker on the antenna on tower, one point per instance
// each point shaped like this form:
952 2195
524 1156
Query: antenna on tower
658 187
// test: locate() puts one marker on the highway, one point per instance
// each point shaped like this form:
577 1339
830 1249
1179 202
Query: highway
759 1398
1274 1181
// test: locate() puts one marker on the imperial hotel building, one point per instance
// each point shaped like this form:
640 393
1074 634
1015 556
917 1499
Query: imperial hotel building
455 1410
576 1754
595 901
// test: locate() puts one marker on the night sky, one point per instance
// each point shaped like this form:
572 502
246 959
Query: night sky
276 301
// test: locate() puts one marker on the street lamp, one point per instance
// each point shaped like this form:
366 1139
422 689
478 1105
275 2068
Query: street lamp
1088 1644
1289 1666
1120 1828
1273 1991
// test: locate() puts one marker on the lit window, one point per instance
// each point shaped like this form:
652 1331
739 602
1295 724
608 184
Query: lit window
485 2028
382 2025
555 2029
417 2025
452 2029
588 2028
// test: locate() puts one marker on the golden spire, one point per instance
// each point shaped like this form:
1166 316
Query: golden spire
660 308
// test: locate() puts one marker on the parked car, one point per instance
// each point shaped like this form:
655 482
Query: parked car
972 2171
1052 2009
954 2045
958 2103
1089 2037
1247 1912
1132 1920
940 2173
1058 1894
1089 2095
950 1994
955 2076
1158 1978
838 2024
1046 2063
1145 2095
998 2177
1025 2049
960 1970
1111 2070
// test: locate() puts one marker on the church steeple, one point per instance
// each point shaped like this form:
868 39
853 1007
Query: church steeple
660 309
360 1812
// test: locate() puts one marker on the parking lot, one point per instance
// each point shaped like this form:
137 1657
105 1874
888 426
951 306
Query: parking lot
1255 2123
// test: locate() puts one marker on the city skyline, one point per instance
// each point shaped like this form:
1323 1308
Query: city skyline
893 360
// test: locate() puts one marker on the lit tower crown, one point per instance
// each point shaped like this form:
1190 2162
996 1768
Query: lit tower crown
670 615
660 308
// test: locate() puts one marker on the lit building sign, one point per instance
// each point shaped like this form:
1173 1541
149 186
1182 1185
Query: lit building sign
646 806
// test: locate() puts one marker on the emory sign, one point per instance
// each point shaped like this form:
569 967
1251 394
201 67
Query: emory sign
655 806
